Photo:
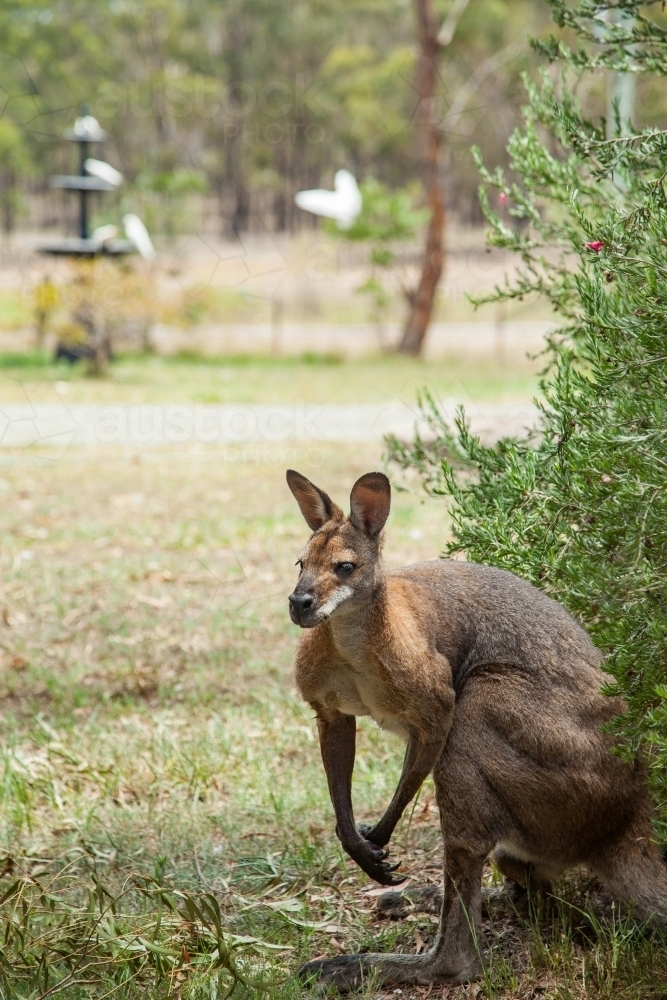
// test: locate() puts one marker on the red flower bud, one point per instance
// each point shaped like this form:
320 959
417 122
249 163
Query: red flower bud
502 198
595 245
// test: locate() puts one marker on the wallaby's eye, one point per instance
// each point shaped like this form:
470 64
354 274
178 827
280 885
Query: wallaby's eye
345 568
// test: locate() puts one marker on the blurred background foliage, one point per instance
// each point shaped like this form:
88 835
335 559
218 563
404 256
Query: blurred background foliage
232 108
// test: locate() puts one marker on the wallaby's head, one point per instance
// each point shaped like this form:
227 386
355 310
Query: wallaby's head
340 566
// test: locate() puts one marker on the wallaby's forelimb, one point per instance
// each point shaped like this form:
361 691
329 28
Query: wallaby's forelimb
337 743
338 746
417 765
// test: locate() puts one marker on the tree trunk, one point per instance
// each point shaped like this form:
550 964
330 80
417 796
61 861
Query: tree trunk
9 200
430 144
235 136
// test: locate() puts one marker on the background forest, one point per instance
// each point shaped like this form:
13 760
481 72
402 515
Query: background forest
226 110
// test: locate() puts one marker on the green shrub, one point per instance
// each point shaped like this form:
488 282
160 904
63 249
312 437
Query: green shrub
580 508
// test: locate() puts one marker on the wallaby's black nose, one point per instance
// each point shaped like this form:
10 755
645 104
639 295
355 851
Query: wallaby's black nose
301 602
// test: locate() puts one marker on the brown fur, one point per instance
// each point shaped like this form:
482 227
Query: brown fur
497 691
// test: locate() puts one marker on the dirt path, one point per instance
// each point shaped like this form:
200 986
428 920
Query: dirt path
59 425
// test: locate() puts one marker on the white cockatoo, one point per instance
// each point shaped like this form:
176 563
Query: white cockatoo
103 171
104 233
137 233
87 127
342 204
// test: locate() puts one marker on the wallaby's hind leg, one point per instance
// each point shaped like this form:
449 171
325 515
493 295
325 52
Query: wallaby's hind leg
455 956
633 870
457 951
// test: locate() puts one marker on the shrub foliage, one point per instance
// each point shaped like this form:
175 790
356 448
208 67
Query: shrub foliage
580 507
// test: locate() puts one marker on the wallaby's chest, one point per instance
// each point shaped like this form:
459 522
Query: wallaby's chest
359 688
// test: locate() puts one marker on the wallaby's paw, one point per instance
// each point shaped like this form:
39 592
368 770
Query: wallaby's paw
345 972
372 860
368 832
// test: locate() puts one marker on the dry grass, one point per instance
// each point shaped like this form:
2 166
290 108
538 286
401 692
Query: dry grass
154 751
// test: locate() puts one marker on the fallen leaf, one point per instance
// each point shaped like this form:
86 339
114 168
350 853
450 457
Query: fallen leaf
153 602
126 640
381 891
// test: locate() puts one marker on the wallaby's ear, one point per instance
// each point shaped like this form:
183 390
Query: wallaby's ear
370 501
314 504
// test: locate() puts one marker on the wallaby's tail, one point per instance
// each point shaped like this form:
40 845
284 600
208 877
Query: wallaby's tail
634 870
421 899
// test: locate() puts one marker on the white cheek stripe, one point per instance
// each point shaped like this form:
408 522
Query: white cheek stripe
336 598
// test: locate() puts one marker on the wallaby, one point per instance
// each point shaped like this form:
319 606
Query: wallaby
497 692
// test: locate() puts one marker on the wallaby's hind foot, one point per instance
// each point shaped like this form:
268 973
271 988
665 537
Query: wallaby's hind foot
346 973
350 972
397 905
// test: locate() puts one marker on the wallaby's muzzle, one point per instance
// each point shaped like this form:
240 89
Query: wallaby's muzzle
301 607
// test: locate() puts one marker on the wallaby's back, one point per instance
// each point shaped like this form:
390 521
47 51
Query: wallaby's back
486 616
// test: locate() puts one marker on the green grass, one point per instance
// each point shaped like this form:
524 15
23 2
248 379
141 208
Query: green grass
27 360
164 819
189 378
